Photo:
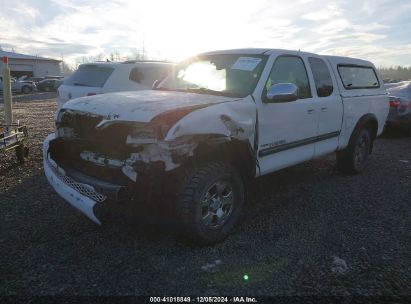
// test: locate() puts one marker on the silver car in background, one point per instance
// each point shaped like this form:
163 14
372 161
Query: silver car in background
17 86
400 107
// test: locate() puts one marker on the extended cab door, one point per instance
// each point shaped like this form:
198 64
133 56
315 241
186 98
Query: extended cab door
329 104
286 130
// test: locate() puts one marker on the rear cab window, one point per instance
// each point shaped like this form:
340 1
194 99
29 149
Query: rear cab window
358 77
322 77
90 75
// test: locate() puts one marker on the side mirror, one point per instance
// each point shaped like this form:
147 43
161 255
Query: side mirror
282 92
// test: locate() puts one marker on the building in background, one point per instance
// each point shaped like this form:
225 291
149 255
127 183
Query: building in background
32 66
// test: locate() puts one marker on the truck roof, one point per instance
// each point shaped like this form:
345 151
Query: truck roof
260 51
129 62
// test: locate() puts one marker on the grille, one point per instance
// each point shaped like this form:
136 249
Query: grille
83 125
80 188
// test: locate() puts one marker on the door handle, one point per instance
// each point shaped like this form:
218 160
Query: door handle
324 109
310 111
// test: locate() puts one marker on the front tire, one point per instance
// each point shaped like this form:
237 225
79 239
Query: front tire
210 202
353 159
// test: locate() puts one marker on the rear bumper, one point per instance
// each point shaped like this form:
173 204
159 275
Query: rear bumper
81 196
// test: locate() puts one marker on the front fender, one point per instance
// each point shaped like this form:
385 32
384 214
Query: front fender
235 119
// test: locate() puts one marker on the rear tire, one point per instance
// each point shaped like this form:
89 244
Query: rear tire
353 159
210 202
26 90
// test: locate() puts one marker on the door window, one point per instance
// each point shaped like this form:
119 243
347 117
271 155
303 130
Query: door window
322 77
290 69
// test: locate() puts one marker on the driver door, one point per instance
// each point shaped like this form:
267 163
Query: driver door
287 130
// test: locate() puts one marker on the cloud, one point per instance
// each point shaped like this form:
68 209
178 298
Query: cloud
176 29
331 11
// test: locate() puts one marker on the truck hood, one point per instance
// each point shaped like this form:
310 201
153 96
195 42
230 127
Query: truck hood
141 106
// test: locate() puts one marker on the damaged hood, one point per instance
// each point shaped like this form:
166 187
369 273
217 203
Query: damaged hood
141 106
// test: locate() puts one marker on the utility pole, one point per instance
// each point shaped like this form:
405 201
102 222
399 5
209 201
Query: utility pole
143 48
8 115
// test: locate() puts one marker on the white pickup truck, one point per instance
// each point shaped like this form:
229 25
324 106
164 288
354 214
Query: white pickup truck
192 145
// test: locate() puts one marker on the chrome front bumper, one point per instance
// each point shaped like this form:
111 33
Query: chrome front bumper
79 195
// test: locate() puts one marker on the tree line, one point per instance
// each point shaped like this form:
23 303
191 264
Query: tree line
395 73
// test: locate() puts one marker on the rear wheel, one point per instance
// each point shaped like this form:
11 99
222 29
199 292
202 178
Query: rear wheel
353 159
26 90
210 202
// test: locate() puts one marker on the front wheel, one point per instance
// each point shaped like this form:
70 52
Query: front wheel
210 202
353 159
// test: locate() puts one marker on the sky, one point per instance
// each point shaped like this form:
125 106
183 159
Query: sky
74 30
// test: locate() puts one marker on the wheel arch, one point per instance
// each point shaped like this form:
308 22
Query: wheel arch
235 152
370 122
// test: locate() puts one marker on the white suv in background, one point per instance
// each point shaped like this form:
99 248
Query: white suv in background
103 77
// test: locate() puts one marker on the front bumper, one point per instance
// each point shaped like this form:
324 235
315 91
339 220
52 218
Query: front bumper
79 195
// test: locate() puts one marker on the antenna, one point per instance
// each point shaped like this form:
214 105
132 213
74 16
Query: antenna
143 48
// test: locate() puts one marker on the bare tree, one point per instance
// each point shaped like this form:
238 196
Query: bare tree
66 69
136 54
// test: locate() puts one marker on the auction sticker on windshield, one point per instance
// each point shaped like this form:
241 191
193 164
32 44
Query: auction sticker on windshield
246 63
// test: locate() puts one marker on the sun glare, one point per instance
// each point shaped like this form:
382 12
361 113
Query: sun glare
204 75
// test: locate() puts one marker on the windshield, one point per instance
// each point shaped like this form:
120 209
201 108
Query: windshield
221 74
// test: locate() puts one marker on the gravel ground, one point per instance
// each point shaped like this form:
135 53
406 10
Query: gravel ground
314 232
31 97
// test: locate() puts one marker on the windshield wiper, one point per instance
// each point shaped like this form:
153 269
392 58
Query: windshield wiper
201 91
80 84
166 89
212 92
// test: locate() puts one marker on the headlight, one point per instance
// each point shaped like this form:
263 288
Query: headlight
148 134
59 117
